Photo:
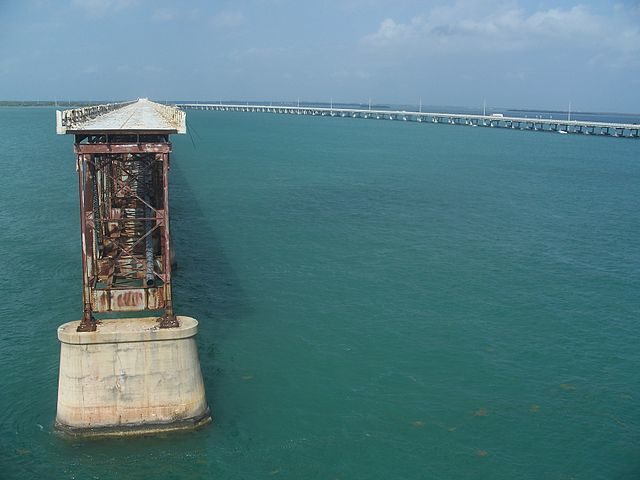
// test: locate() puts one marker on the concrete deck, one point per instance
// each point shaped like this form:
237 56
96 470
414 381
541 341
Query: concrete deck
140 116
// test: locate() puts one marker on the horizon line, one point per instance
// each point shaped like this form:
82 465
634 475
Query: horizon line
71 102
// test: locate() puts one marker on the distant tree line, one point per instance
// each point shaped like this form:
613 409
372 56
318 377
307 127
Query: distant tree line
50 103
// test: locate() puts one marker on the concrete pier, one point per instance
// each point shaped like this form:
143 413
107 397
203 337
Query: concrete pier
130 377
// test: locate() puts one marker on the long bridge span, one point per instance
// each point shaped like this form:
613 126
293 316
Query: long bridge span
621 130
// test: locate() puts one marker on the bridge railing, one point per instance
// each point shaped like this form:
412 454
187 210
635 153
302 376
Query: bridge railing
173 115
67 119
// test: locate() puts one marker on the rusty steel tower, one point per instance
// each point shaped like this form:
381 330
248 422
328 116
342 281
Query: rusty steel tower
123 177
138 373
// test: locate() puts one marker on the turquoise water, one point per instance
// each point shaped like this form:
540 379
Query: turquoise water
377 300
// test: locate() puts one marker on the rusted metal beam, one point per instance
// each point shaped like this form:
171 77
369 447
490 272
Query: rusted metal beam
122 148
88 323
169 318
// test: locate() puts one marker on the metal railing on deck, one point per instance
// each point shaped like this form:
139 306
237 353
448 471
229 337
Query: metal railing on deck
173 115
66 119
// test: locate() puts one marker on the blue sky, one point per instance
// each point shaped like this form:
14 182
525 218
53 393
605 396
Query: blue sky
514 53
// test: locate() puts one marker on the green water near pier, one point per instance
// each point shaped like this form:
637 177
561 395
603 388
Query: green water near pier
376 300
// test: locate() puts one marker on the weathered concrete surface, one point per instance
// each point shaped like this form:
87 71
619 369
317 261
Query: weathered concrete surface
142 115
130 376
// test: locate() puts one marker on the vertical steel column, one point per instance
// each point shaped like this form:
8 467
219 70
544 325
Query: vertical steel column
168 320
148 223
88 323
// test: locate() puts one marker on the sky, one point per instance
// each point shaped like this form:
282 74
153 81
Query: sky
513 53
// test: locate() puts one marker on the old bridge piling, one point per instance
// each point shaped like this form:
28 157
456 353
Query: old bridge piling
136 374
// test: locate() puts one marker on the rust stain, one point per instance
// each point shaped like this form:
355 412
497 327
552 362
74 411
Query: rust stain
129 299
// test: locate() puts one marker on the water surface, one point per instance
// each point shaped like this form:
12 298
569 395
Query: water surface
377 300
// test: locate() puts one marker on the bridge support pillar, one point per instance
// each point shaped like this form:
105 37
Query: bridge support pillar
130 377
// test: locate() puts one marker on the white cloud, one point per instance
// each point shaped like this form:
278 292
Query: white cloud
515 76
351 74
99 8
90 70
266 53
163 15
153 69
468 26
228 20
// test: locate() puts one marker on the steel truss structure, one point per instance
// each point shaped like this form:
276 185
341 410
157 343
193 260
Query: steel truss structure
123 183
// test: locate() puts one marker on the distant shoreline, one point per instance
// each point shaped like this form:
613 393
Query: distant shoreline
46 103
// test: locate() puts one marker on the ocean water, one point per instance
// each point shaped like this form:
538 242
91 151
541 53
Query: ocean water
376 300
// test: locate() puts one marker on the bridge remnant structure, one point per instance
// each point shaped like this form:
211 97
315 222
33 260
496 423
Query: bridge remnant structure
136 374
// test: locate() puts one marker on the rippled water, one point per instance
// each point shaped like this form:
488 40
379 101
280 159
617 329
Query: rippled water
377 300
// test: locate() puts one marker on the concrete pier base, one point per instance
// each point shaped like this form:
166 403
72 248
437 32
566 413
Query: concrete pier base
130 377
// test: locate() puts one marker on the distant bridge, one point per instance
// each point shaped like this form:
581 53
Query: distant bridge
622 130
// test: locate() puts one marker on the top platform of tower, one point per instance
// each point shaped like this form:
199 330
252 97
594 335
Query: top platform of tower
138 116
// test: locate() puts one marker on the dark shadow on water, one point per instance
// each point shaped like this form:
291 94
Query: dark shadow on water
205 284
